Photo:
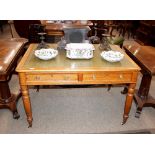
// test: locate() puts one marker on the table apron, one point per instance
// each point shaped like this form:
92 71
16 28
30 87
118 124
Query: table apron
78 78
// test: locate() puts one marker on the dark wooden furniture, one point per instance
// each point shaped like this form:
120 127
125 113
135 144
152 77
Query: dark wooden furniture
144 56
10 51
145 34
56 29
103 29
64 71
2 23
27 29
22 27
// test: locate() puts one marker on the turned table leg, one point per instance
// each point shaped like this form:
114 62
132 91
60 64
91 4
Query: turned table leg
8 100
128 102
27 104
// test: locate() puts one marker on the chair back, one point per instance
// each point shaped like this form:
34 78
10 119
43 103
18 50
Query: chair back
34 29
22 27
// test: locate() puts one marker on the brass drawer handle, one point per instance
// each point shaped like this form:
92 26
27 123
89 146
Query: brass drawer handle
121 76
66 77
37 78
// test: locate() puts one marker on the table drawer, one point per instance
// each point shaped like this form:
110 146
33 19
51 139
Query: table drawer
108 77
52 77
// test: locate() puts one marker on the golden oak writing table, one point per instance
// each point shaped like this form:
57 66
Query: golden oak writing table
64 71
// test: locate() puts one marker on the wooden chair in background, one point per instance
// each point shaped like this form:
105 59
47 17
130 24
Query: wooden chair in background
103 28
27 29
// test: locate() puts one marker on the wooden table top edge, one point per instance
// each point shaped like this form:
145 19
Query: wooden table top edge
32 47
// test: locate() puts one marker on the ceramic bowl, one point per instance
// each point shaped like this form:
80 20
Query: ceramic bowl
112 56
46 54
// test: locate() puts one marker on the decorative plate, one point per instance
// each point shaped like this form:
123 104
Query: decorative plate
46 54
112 56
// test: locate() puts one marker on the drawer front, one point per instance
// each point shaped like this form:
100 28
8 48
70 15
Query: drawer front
79 78
108 77
51 77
